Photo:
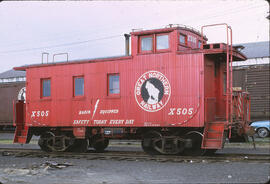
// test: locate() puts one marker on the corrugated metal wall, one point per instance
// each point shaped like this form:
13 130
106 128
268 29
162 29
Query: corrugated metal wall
255 79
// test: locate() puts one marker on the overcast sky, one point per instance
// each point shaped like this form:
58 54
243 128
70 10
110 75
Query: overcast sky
90 29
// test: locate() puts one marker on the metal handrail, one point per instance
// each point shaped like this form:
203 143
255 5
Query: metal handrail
42 57
60 54
229 75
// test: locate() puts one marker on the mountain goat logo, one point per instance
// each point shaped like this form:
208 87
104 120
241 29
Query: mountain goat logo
152 91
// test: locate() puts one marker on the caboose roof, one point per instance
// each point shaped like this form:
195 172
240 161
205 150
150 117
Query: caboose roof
77 61
238 56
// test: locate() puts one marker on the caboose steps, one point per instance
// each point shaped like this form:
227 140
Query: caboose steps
20 135
21 131
213 135
212 143
20 139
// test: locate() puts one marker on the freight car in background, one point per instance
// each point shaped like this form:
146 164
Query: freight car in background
255 79
253 75
12 88
170 93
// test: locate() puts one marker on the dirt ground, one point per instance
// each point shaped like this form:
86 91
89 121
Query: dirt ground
62 171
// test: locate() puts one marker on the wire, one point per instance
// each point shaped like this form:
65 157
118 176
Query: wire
65 34
59 45
207 16
223 14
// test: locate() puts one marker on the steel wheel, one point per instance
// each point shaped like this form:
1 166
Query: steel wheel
79 146
196 138
148 142
262 132
100 144
43 143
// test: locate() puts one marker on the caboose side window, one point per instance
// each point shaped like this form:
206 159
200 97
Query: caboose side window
225 83
199 44
146 43
46 87
114 84
183 39
162 42
78 83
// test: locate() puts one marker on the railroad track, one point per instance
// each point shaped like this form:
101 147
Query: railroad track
137 156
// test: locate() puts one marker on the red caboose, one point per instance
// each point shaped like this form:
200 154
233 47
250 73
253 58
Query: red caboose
174 92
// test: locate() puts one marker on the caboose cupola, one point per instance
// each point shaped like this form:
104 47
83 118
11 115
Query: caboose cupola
170 39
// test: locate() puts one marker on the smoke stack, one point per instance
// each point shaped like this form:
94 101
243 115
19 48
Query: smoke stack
127 44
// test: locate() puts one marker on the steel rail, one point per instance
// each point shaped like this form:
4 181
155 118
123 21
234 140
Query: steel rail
137 156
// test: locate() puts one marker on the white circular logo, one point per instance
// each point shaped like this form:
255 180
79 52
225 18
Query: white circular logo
22 94
152 91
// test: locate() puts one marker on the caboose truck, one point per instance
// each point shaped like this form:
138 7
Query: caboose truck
174 92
